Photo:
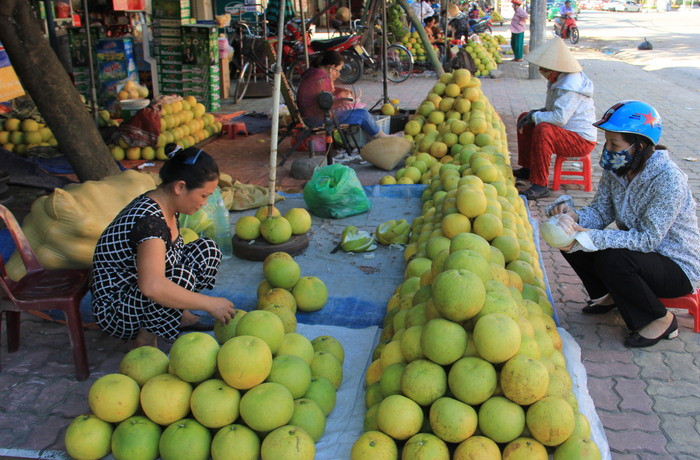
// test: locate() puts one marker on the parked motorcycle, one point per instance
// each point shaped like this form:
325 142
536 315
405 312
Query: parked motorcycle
568 30
483 24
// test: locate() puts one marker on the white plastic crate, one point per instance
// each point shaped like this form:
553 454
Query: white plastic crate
361 137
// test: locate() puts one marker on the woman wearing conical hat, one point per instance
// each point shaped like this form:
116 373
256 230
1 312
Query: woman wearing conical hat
564 126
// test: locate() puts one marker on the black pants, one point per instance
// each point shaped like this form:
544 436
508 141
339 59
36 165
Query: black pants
635 280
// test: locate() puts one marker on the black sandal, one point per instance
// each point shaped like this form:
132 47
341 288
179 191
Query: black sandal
637 341
594 309
533 194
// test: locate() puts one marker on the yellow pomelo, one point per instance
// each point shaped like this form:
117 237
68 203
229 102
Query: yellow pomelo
235 438
525 449
278 296
501 419
443 341
299 219
374 445
551 420
472 380
248 228
425 446
166 399
399 417
488 226
477 447
297 345
454 224
452 420
193 356
267 406
185 439
114 397
423 381
311 293
262 212
282 272
524 380
467 259
523 269
88 438
471 201
327 365
321 390
275 229
497 337
142 363
244 361
508 245
264 325
374 372
223 332
215 404
458 295
288 443
292 372
29 125
136 438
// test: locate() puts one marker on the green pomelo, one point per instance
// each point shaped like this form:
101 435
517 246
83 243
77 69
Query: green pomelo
501 419
472 380
452 420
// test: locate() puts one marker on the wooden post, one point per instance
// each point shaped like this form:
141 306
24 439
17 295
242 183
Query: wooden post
225 78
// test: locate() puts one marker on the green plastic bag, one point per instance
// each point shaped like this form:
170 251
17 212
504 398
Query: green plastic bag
335 191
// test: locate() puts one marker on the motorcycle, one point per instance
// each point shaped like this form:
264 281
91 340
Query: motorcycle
568 30
483 24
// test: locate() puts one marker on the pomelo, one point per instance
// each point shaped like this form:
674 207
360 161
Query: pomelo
114 397
282 272
472 380
278 296
327 365
276 230
423 381
88 438
136 438
166 398
235 438
292 372
297 345
193 356
309 416
390 380
330 345
215 404
472 261
244 361
525 449
248 228
452 420
262 324
223 332
399 417
497 337
267 406
425 446
287 316
551 420
299 219
472 242
477 447
310 293
524 380
578 448
185 439
262 212
288 443
443 341
321 390
501 419
142 363
374 445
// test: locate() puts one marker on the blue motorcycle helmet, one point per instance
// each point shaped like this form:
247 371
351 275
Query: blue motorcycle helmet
634 117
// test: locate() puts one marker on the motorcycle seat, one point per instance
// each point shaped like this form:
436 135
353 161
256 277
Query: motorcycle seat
322 45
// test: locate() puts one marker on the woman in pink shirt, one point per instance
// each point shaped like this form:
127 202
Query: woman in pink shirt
517 30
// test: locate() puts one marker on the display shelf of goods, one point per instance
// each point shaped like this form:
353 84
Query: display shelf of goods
183 122
256 387
470 359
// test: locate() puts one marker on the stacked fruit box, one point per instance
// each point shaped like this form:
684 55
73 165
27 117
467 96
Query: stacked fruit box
200 74
168 18
77 40
115 63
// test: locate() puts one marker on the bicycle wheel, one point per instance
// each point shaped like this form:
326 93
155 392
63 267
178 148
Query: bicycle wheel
573 35
399 61
352 70
294 73
242 81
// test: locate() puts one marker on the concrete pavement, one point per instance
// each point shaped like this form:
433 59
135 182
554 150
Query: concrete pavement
647 399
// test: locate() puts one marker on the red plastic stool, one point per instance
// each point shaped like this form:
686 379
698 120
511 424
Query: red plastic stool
234 127
690 302
561 177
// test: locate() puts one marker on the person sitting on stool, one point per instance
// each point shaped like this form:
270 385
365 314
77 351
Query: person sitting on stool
564 126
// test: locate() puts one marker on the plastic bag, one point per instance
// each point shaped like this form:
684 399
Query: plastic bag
335 191
558 231
212 221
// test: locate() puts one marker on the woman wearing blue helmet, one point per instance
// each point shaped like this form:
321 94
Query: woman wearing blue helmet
654 249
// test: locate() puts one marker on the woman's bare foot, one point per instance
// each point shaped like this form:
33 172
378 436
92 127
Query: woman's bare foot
605 300
656 327
188 318
145 339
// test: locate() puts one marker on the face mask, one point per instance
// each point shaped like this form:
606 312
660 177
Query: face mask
615 161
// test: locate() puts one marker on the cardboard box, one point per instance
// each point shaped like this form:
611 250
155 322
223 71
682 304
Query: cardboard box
200 45
165 32
77 41
115 70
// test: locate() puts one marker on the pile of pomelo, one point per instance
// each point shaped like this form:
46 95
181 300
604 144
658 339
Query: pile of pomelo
18 136
262 393
275 228
469 363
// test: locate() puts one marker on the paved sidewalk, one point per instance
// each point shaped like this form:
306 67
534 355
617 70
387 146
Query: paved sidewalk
647 399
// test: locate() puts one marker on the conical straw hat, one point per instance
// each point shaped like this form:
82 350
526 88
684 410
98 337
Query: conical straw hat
453 10
554 55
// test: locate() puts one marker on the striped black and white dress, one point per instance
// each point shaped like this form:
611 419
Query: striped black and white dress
119 307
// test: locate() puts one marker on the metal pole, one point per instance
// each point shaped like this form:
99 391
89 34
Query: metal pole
385 41
303 32
276 111
91 69
51 25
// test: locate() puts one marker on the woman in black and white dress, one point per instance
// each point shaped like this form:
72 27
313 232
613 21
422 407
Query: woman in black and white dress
145 279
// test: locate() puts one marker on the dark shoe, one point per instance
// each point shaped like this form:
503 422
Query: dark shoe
594 309
522 173
199 326
536 191
637 341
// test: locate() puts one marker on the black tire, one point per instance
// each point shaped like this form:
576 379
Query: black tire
488 30
352 70
242 81
294 73
399 62
573 35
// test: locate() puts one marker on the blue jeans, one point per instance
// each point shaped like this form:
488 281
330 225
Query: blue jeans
360 117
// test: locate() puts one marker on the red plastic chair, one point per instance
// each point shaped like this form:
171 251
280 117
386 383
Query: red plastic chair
563 177
41 289
690 302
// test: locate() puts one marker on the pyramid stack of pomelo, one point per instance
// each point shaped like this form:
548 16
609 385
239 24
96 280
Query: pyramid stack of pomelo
261 393
470 358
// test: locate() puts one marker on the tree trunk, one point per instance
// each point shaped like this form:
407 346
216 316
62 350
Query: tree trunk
538 24
432 57
46 81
